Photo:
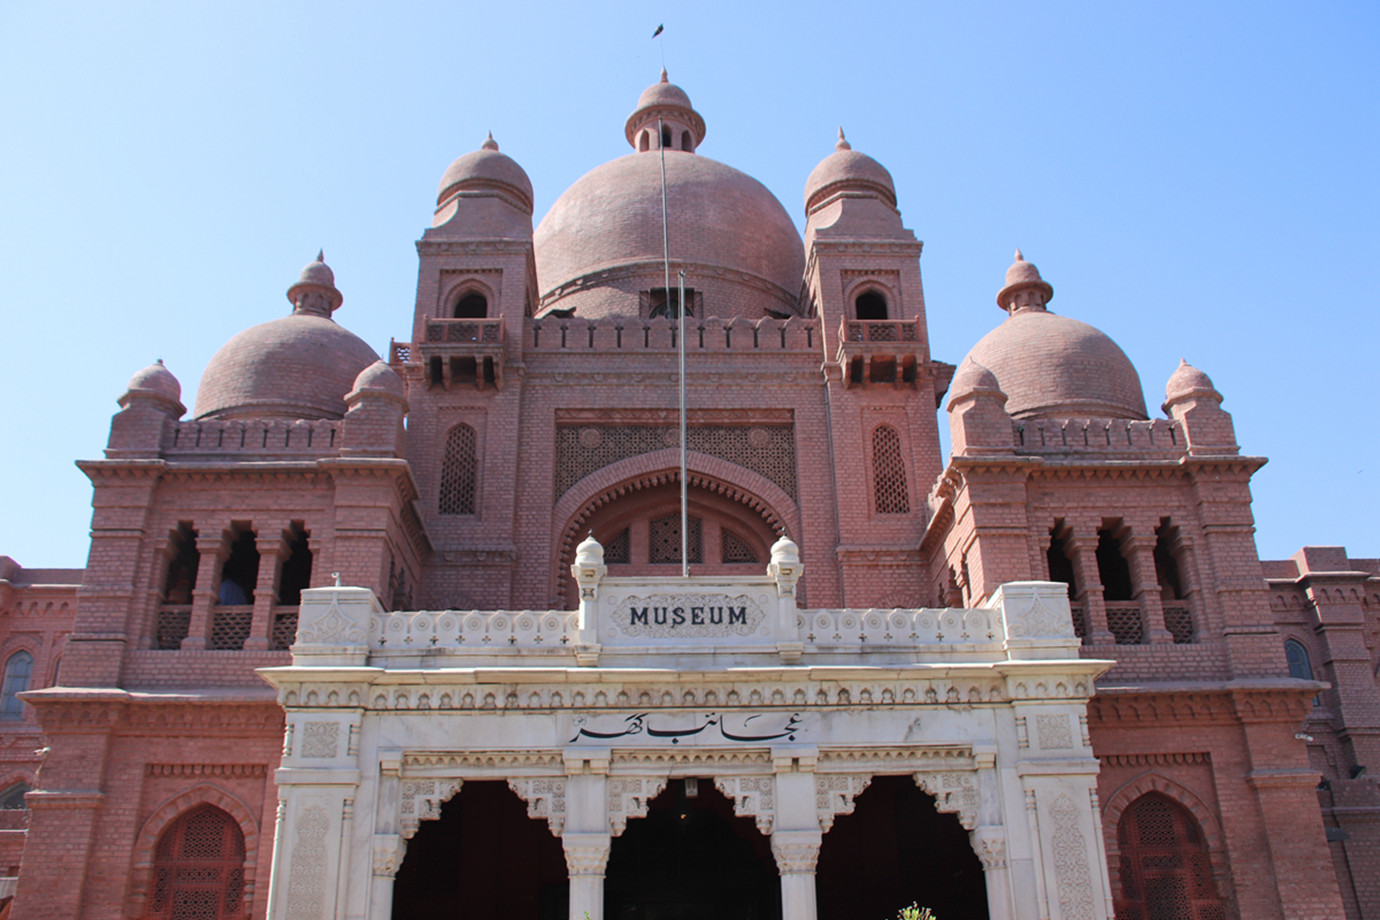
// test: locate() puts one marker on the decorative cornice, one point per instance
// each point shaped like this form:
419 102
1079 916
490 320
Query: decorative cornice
220 770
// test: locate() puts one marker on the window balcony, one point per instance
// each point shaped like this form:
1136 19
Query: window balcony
880 351
459 352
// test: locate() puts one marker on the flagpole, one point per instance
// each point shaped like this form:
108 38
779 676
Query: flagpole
680 313
684 447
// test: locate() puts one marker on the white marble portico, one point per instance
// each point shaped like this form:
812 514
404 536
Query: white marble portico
588 714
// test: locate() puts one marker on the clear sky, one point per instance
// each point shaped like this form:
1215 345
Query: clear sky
1198 180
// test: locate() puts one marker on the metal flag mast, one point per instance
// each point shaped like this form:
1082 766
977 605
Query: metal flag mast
680 346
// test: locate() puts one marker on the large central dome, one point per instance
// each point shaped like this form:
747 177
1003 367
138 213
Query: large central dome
601 242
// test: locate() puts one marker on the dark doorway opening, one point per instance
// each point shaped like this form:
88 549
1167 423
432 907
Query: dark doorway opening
895 850
483 857
690 859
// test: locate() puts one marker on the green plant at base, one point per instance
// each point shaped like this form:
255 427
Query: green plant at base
915 912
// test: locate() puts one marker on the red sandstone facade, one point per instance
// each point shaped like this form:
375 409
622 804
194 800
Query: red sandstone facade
538 389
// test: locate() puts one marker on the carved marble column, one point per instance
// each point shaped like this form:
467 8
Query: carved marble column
586 855
989 843
389 845
796 853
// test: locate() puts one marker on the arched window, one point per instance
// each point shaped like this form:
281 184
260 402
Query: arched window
1165 869
18 671
472 306
458 471
686 143
871 305
665 138
889 472
12 798
1300 665
198 870
642 143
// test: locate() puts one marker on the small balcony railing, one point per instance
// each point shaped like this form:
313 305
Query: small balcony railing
464 331
1178 620
1125 624
880 351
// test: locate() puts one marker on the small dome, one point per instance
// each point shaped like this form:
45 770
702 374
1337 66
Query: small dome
154 380
668 101
379 378
1187 381
486 169
590 552
1022 275
971 378
315 293
663 92
318 272
848 170
785 552
1050 366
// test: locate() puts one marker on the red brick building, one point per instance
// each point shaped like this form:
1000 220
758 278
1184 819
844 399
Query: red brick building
534 401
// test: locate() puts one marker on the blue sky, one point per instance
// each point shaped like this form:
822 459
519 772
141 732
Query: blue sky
1198 180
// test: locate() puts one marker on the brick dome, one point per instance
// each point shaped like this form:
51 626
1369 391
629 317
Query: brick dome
1050 366
1188 381
379 378
972 378
300 366
847 170
720 219
486 170
155 381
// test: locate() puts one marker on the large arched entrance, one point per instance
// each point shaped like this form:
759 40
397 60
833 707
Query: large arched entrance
895 850
483 857
689 859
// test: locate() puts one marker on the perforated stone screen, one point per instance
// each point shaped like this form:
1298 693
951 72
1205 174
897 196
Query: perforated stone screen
889 472
618 551
737 550
457 472
198 872
663 538
768 450
1165 868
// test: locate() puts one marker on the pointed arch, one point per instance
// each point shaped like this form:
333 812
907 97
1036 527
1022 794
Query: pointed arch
144 853
1157 783
765 500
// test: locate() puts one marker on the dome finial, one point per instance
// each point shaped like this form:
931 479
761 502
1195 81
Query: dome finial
489 143
843 141
315 290
664 77
1024 277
